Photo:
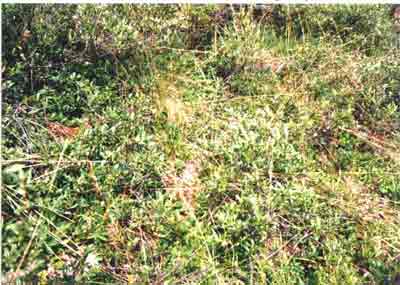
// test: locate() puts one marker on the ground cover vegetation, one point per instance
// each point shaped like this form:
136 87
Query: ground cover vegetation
182 144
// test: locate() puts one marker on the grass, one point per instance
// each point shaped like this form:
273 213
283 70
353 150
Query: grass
158 145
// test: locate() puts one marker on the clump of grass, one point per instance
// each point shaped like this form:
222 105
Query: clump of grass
169 102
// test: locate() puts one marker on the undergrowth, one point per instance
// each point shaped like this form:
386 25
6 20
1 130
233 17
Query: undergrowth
183 144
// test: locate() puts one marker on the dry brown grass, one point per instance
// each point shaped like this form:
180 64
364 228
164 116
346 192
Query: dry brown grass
184 187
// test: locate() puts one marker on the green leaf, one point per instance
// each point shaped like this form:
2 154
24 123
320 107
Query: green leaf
14 168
